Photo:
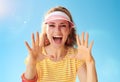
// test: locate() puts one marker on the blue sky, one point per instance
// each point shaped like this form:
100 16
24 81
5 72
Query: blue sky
20 18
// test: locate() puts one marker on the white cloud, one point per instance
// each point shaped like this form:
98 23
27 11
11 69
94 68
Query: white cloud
7 8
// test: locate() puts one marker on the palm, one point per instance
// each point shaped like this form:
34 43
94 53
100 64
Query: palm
84 51
36 50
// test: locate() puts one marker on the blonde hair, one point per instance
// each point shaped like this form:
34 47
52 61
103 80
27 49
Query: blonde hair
71 40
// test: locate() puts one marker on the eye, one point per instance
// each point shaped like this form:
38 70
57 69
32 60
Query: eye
63 25
51 25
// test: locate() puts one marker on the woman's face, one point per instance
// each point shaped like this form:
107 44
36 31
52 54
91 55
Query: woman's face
57 32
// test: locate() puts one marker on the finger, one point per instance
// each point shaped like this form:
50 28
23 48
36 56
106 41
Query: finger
78 40
28 47
91 44
86 41
82 39
37 39
33 41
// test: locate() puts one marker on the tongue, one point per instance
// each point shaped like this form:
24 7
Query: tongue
57 40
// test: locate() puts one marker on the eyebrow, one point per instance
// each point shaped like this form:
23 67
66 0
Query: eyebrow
51 22
62 23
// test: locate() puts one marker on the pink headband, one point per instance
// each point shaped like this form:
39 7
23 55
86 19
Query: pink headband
58 15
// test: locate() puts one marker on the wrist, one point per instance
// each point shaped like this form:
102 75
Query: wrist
31 61
91 61
31 58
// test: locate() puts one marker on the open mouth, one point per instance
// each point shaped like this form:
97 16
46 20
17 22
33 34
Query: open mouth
57 39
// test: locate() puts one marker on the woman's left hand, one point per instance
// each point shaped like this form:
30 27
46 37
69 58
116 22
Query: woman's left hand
84 50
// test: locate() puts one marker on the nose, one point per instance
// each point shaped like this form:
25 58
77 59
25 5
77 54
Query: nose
57 29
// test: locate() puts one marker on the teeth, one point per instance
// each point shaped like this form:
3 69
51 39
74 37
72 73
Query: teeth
58 36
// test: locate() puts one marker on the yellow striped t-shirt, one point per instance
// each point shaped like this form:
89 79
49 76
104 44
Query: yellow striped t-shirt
64 70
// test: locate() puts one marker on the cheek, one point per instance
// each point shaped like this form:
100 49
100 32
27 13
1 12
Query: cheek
66 31
48 30
66 34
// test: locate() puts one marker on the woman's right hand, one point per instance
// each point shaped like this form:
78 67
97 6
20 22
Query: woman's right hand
35 51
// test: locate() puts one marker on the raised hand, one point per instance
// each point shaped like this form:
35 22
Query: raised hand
35 51
84 50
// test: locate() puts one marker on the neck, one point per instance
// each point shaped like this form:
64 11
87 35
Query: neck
56 53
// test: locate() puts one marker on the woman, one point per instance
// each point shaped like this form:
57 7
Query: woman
54 57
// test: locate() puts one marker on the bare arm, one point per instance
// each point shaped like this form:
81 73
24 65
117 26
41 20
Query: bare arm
30 72
82 73
34 53
91 71
86 73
